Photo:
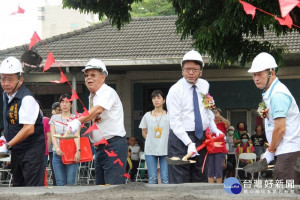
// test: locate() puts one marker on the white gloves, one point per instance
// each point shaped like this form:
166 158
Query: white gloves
268 156
220 133
3 148
192 148
74 126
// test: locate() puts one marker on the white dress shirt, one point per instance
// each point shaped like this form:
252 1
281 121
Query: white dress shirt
181 109
112 117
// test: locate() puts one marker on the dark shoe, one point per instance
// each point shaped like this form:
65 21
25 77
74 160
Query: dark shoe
257 166
297 165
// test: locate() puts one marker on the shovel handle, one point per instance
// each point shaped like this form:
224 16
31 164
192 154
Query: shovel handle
187 156
67 133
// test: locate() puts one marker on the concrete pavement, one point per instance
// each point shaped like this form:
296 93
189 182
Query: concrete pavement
146 191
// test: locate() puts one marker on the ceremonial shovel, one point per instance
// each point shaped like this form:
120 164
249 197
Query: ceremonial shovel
256 166
65 136
208 143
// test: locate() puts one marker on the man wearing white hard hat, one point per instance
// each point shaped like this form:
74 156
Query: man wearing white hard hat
23 126
106 111
188 120
282 117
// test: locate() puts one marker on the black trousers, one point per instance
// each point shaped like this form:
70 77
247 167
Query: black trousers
28 167
186 173
135 165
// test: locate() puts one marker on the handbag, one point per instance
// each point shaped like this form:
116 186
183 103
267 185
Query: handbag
68 147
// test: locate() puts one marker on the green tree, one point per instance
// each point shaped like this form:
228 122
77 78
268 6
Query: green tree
152 8
219 28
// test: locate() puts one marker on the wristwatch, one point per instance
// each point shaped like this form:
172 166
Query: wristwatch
8 146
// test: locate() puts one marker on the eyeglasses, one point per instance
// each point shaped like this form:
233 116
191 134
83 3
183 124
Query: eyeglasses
191 70
90 75
9 80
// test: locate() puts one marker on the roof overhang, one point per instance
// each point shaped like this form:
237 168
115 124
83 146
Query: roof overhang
124 62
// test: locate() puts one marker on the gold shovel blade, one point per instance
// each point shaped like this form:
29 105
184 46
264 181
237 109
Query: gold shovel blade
65 136
175 161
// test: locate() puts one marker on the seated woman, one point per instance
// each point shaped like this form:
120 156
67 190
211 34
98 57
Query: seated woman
244 147
258 140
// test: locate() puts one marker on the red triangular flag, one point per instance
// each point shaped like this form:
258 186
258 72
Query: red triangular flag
66 99
34 39
110 154
248 8
286 21
62 79
20 11
74 96
85 112
119 161
286 6
126 175
103 141
93 127
50 60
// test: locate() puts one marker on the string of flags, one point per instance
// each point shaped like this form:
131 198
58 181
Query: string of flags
50 61
285 8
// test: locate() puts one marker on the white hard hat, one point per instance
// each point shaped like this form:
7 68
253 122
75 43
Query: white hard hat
11 65
262 62
96 64
193 56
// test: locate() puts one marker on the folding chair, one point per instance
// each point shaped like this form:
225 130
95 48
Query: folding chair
83 172
49 174
244 156
91 171
142 168
5 173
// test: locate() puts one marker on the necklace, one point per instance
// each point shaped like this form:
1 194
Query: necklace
157 129
65 122
158 122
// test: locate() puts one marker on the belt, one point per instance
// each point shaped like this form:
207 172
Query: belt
111 140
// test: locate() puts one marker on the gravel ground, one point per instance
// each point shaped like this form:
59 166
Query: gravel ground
139 191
